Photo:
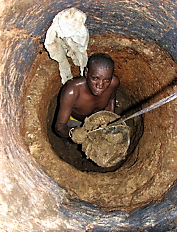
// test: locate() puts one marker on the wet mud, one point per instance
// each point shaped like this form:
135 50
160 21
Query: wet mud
105 144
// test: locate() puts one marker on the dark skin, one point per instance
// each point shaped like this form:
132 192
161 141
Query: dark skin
83 96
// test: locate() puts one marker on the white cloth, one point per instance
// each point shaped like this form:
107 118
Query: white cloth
68 37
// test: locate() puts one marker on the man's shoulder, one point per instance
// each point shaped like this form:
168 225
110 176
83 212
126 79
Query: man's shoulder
75 81
115 81
73 85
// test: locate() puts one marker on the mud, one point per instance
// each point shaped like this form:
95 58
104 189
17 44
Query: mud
105 145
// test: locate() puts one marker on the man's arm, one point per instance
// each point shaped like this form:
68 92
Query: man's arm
111 105
112 101
67 100
62 130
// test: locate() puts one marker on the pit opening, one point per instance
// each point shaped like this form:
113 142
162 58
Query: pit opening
30 198
144 70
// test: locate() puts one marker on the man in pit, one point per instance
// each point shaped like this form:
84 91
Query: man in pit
84 96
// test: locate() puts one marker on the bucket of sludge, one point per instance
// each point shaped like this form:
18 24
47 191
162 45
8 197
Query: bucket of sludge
105 145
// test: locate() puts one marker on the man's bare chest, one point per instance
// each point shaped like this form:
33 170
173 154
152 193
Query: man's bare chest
87 105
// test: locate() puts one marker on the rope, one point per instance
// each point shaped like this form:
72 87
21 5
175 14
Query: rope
147 109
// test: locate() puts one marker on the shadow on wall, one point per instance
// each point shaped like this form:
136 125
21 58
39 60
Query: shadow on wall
168 41
31 200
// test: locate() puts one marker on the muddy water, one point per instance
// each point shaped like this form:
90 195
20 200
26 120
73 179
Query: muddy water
73 154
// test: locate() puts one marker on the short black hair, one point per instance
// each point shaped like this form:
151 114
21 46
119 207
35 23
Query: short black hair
100 59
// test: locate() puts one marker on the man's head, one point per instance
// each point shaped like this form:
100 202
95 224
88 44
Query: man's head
99 72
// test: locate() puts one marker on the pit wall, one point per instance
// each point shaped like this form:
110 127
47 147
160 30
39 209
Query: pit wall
31 200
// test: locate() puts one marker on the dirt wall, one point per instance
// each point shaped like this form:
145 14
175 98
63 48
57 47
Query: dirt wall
31 198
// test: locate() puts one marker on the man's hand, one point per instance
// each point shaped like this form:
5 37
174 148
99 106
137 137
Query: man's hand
78 135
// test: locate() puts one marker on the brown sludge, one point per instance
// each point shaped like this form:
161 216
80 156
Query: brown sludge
106 147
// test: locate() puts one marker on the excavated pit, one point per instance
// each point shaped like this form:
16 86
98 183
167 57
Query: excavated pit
142 177
44 186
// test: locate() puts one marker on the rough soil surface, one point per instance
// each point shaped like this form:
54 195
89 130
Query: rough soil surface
151 165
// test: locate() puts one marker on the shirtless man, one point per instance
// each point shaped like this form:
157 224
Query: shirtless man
84 96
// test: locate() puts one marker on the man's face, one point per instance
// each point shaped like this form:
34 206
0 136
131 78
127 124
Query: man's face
98 79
